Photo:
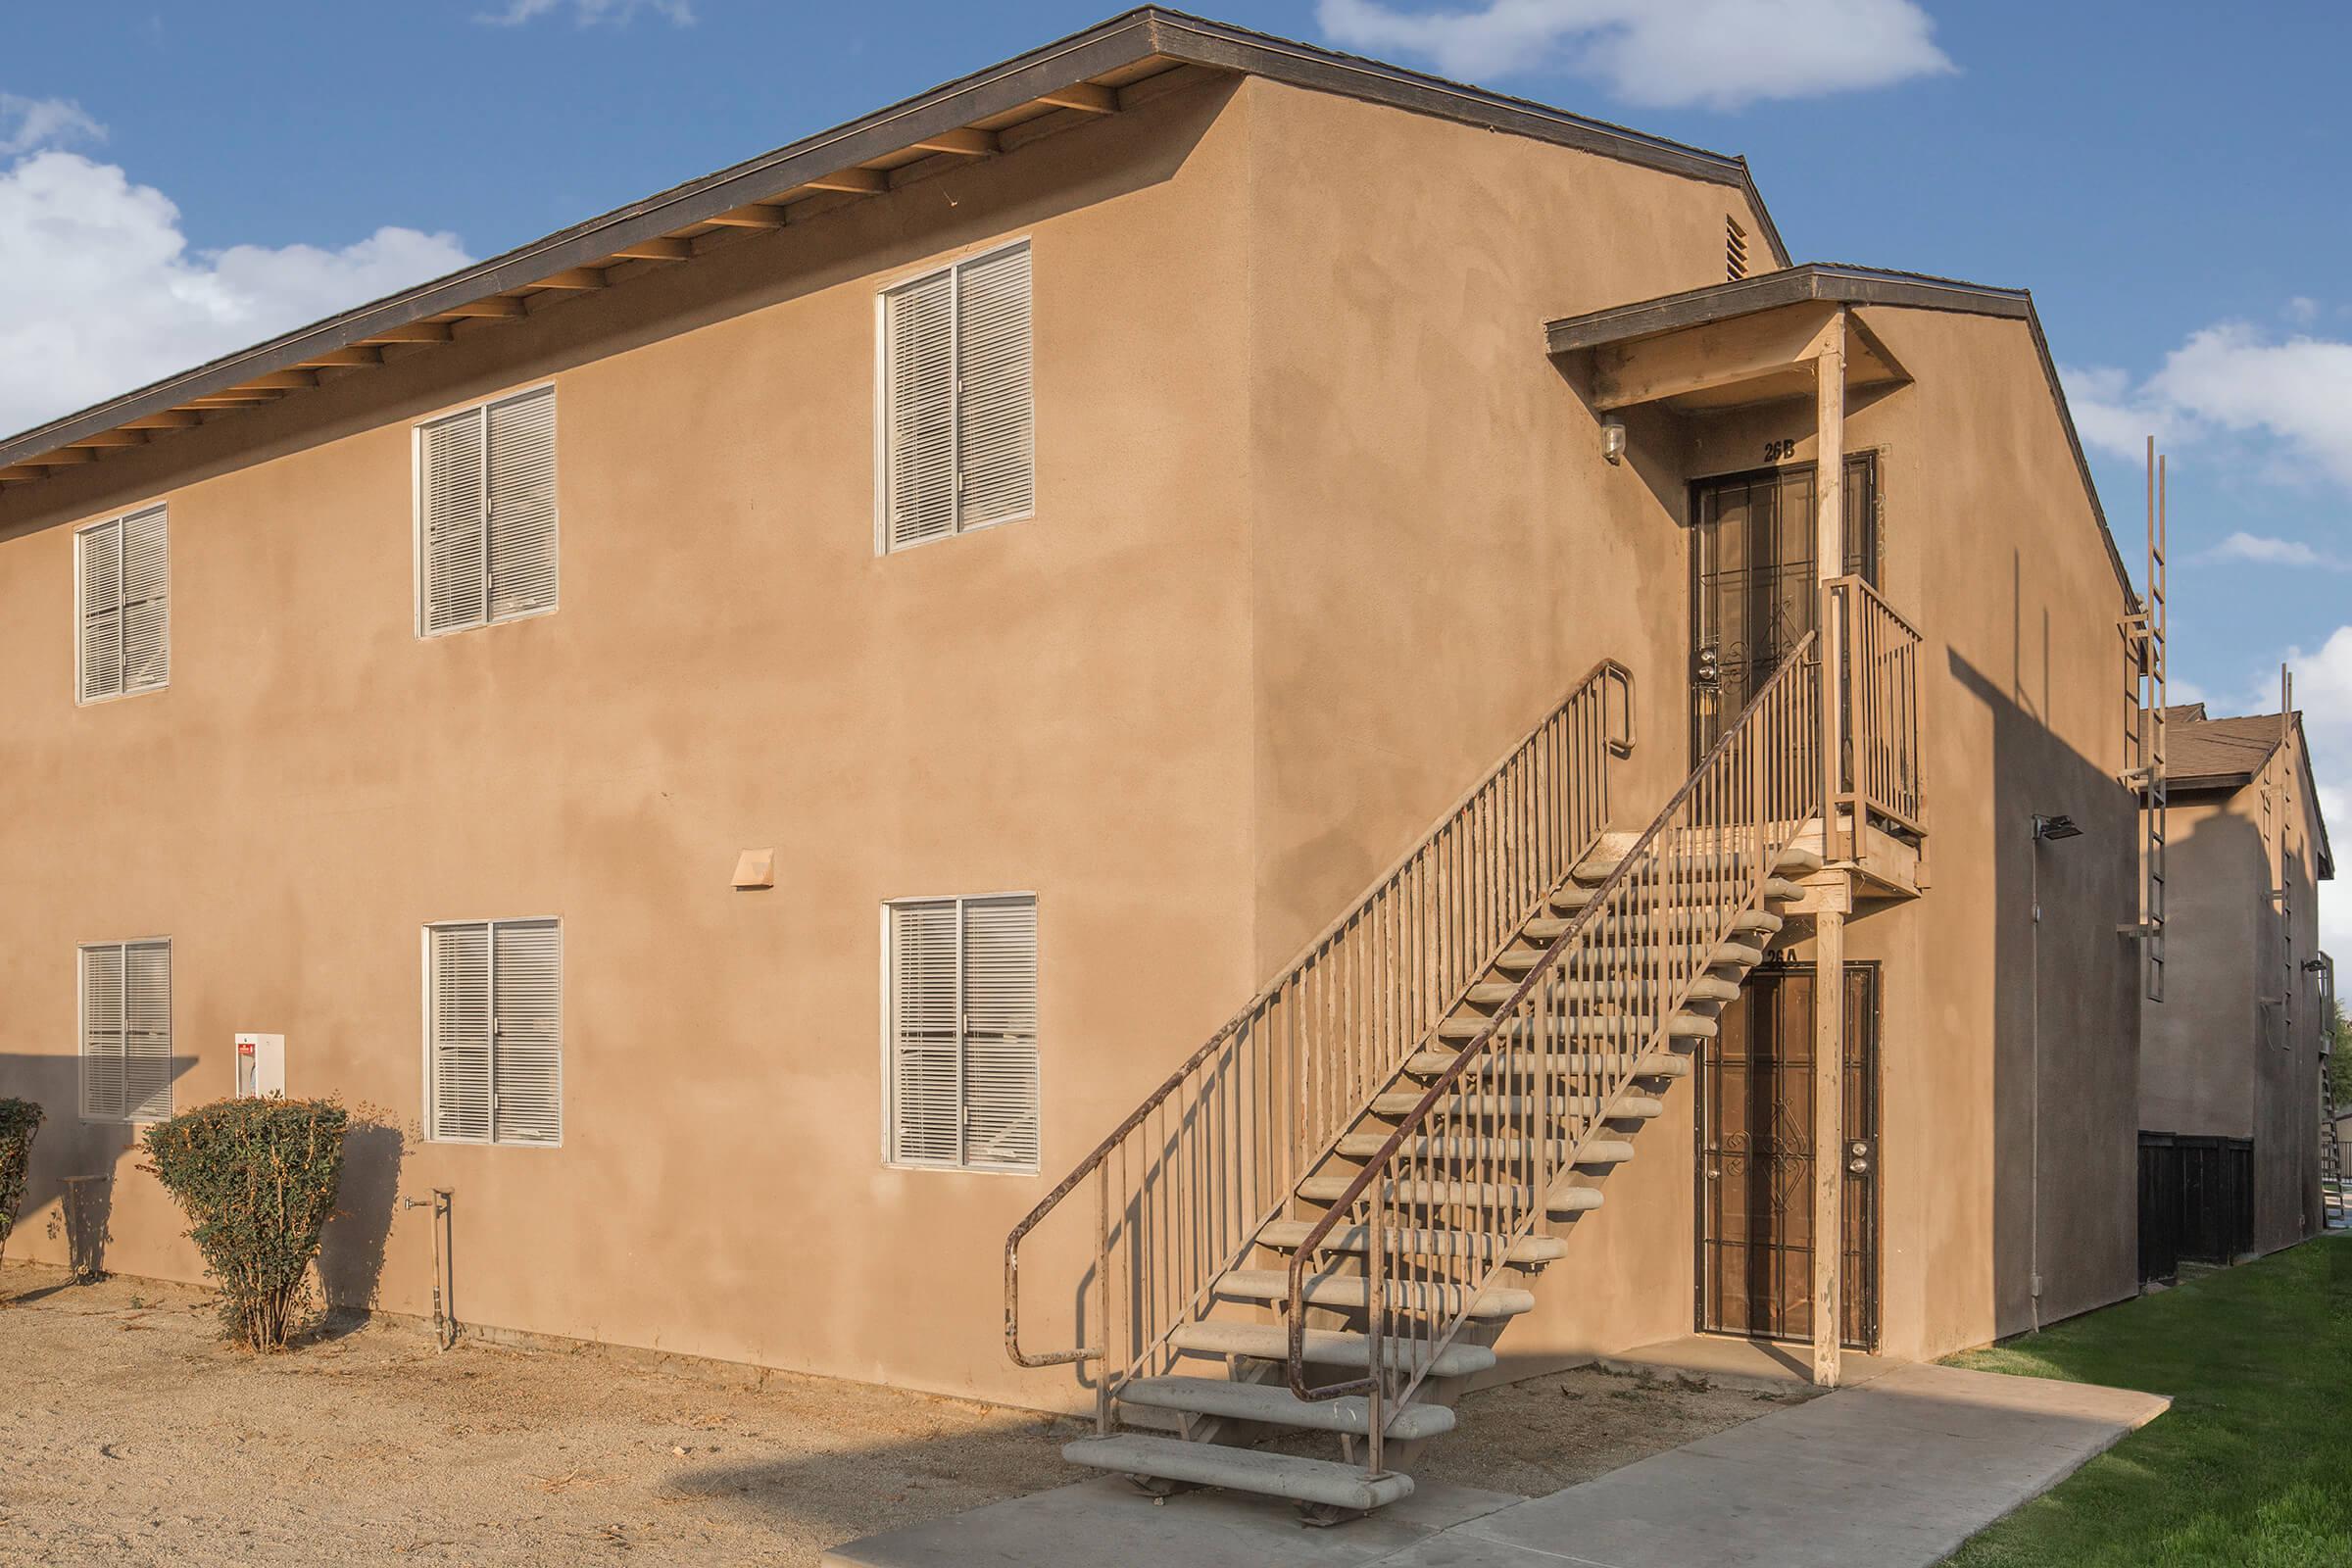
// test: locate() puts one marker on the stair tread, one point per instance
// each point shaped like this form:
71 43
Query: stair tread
1349 1291
1683 1025
1705 988
1657 1065
1271 1341
1479 1102
1286 1234
1604 858
1212 1464
1331 1189
1578 965
1448 1146
1275 1404
1569 1199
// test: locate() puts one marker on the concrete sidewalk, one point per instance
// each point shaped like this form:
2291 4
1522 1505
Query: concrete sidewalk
1897 1472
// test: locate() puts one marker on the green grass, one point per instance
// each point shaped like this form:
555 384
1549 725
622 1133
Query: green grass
2251 1467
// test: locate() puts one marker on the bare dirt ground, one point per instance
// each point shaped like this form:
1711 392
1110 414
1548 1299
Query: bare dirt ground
132 1434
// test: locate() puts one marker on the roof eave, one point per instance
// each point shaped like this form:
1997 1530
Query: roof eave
1131 38
1844 284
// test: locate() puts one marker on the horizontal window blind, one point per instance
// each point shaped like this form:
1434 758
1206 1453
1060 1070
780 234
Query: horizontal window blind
958 436
486 513
963 1033
494 993
122 602
126 1031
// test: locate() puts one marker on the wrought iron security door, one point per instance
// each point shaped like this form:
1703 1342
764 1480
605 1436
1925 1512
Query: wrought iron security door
1755 1163
1754 594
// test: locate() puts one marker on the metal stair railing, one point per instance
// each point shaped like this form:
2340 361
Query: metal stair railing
1881 773
1598 998
1184 1184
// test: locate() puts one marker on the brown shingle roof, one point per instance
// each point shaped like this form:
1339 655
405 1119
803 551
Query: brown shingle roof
2219 751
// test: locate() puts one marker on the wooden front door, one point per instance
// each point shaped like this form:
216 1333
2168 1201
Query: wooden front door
1756 1155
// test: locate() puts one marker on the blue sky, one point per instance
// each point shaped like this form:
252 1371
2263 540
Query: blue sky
177 181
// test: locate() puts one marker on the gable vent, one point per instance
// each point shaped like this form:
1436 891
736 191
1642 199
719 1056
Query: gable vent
1735 249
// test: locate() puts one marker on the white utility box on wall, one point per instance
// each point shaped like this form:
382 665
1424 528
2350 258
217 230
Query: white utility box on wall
260 1065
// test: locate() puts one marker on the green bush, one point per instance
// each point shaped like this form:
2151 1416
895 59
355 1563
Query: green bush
258 1179
19 1119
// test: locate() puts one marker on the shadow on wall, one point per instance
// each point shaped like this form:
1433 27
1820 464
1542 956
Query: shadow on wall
75 1162
351 1253
2065 1049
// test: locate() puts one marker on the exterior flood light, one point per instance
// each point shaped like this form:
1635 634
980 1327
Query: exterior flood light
2055 827
1612 440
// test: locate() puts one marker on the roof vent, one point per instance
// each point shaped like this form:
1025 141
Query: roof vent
1735 249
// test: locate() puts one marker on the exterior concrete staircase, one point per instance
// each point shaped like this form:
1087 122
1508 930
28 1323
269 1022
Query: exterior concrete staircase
1327 1216
1197 1428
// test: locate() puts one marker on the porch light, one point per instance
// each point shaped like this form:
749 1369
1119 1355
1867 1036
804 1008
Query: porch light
2055 827
1612 440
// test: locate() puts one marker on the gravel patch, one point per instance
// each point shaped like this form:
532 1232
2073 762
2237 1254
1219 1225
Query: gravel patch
134 1435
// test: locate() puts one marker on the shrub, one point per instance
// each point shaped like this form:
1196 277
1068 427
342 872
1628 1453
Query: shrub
19 1119
256 1179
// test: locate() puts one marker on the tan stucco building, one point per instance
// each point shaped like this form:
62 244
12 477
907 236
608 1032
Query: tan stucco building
1075 528
2233 1060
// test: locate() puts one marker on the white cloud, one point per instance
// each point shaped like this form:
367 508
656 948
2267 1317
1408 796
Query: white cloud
2264 551
2110 415
588 13
2291 396
103 293
2302 310
29 123
1662 53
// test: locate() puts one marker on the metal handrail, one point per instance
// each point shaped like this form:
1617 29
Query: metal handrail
1763 777
1881 771
1432 922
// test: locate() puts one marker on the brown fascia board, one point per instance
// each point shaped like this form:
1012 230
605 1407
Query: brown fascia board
1128 39
1842 284
2311 793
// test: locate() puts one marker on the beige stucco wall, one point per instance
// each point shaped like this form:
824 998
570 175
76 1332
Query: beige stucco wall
1169 705
1320 531
1057 705
2224 1059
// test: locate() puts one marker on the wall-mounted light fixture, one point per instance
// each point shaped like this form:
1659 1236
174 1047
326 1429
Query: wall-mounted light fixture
1612 440
2055 827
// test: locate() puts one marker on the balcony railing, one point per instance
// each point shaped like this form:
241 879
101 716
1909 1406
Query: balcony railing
1880 681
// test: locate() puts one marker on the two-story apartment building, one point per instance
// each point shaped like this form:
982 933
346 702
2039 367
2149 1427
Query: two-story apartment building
2234 1057
759 728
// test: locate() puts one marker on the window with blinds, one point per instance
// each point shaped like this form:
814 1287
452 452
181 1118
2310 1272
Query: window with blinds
122 605
962 1033
957 428
494 1032
486 513
126 1031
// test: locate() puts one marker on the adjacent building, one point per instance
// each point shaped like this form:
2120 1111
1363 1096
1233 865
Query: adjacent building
2233 1060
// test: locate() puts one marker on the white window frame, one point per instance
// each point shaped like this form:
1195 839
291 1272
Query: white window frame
81 608
889 1096
424 949
417 545
882 543
81 1035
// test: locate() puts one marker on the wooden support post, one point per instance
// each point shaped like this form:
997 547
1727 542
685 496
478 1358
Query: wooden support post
1829 561
1829 926
1829 1139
